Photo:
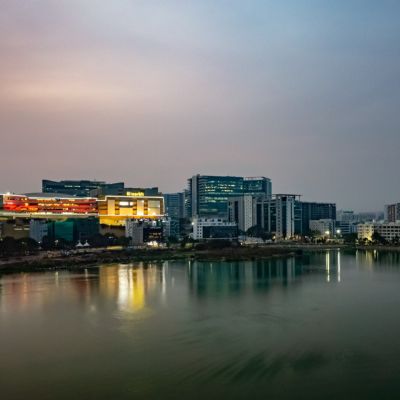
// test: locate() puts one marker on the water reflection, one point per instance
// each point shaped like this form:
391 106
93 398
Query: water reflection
128 287
378 258
280 328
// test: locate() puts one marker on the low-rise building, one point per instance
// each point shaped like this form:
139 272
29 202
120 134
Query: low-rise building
325 227
141 232
214 228
389 231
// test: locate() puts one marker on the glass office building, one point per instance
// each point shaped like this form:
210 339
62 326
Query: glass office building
81 187
208 195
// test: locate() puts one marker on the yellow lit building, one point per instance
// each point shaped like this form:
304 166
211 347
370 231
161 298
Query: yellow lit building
114 210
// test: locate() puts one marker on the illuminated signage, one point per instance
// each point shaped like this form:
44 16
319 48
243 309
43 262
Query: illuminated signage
135 194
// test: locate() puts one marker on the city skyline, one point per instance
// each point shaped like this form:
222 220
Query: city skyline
153 93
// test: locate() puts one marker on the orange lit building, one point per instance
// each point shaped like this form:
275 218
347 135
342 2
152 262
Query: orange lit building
114 210
46 206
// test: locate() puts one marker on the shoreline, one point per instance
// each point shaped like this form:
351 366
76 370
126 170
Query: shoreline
94 257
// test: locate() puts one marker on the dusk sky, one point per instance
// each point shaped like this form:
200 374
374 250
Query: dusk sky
152 92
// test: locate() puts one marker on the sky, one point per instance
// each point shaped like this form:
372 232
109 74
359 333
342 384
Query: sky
147 92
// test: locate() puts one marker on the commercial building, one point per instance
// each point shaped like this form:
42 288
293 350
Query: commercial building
276 214
81 188
313 211
389 231
175 212
115 210
257 186
392 212
38 229
213 228
46 205
142 191
242 211
141 232
208 195
324 227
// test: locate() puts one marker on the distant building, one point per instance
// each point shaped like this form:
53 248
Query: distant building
115 210
46 205
141 232
38 229
370 216
208 195
214 228
73 229
389 231
175 212
346 227
257 186
81 188
313 211
241 210
346 216
392 212
325 227
276 214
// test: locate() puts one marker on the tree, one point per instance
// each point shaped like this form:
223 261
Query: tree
378 238
350 238
256 231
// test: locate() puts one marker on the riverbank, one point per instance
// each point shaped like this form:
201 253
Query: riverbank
94 257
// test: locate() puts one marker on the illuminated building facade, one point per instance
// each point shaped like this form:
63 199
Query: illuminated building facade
46 206
115 210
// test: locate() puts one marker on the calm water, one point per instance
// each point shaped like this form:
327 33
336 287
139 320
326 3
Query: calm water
323 326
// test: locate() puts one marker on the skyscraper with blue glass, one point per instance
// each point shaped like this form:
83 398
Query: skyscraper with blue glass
208 195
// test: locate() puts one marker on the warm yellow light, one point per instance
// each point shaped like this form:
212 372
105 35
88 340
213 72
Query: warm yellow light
135 194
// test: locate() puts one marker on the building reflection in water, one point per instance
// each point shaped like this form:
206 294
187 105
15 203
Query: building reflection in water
231 278
130 285
132 288
385 260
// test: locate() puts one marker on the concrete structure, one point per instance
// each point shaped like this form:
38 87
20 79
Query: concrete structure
392 212
38 229
325 227
314 211
213 228
143 232
389 231
15 228
241 210
277 214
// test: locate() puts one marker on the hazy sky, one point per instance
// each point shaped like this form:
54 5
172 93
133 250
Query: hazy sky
151 92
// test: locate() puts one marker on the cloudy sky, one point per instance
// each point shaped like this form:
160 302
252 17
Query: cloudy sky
305 92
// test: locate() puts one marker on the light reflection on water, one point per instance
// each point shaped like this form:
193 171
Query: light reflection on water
279 328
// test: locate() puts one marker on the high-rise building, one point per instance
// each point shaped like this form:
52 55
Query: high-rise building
175 212
241 210
277 214
208 195
392 212
312 211
256 186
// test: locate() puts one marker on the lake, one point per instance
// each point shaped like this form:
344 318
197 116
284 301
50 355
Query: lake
323 325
